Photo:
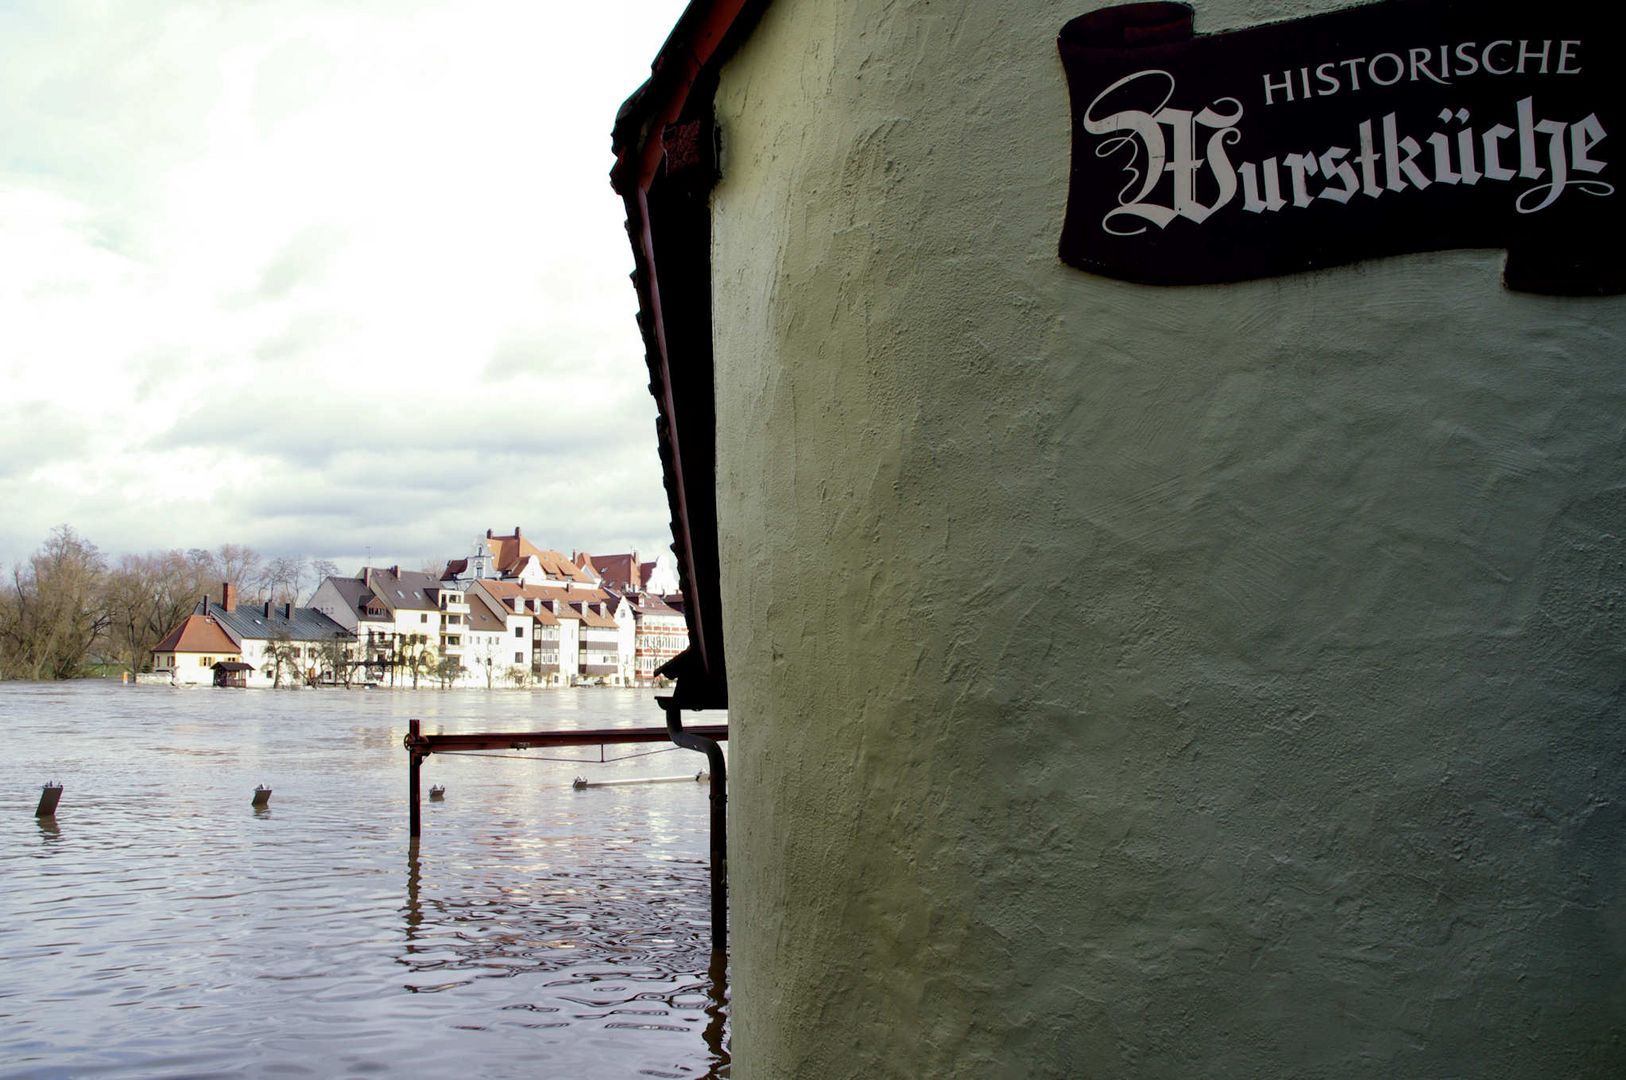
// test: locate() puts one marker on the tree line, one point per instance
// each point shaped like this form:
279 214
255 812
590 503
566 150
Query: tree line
67 609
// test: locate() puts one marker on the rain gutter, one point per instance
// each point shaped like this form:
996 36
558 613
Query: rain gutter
667 152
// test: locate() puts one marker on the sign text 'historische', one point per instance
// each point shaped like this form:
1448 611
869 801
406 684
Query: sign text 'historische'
1411 125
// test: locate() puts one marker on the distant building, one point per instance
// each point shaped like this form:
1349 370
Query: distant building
577 631
662 635
661 576
280 643
351 603
490 648
189 652
516 558
399 617
618 572
530 632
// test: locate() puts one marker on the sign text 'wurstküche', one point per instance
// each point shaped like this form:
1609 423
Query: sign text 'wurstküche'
1409 125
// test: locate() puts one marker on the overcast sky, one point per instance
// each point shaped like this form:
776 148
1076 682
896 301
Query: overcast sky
321 276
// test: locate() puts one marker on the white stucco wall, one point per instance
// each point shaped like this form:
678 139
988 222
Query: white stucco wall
1131 681
185 669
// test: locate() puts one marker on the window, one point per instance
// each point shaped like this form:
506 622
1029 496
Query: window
519 658
424 617
205 661
519 631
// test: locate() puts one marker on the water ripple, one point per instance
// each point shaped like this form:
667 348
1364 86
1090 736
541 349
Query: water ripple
161 927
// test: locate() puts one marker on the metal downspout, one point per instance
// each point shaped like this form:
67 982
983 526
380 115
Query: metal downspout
719 817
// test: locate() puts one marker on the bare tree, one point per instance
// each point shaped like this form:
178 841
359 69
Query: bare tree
484 652
146 596
339 656
283 655
240 566
283 579
53 610
413 652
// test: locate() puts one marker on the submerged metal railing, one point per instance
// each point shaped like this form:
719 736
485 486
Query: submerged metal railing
700 737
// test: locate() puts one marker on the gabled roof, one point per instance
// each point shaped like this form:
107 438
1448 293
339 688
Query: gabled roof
650 604
354 592
615 570
197 634
645 569
252 622
481 617
403 590
590 617
504 592
509 552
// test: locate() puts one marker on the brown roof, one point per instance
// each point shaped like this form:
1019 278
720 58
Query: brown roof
197 634
508 552
615 569
644 570
505 591
592 617
651 604
482 617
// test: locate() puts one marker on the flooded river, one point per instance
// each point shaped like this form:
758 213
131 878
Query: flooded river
162 927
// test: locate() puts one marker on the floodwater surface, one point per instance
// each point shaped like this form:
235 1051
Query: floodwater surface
160 926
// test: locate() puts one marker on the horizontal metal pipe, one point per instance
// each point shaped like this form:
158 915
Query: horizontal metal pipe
692 778
529 740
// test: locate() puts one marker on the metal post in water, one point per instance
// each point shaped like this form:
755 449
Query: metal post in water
50 795
719 852
414 761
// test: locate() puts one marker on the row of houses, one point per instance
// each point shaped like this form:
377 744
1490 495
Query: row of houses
509 614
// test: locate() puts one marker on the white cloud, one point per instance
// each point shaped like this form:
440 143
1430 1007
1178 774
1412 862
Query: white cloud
360 257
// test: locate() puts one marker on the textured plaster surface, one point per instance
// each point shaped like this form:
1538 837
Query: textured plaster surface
1143 682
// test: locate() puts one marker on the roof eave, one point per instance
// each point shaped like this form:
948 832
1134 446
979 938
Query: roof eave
679 89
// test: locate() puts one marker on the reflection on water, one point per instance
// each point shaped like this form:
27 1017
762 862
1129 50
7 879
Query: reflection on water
155 928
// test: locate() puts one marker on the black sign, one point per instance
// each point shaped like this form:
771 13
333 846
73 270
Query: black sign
1411 125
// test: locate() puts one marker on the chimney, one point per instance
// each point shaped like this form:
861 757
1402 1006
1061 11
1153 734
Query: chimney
228 596
288 612
395 571
488 534
268 609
